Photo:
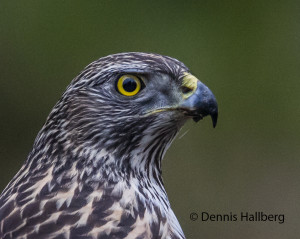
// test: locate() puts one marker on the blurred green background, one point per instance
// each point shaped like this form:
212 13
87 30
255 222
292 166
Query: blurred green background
247 52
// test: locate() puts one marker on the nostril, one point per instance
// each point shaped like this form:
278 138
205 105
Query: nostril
186 89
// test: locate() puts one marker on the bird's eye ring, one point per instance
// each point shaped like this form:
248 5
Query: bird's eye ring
129 85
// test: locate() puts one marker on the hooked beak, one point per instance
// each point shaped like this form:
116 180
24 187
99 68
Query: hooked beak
198 100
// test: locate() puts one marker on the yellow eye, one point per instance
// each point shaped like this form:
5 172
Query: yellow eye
129 85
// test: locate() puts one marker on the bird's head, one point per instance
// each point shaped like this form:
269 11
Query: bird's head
131 106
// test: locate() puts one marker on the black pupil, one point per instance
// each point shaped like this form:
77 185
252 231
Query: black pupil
129 85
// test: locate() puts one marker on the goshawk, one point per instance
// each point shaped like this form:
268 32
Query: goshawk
95 167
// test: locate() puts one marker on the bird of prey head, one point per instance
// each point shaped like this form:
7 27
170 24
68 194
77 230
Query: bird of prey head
95 167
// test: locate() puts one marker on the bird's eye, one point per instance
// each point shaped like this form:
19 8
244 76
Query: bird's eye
129 85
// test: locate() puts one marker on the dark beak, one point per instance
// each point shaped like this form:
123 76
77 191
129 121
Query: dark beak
200 104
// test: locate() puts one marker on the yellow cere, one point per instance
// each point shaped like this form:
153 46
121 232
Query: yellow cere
122 87
189 81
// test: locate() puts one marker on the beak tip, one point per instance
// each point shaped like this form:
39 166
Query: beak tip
214 118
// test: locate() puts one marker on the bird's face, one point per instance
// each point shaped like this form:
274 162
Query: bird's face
131 101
